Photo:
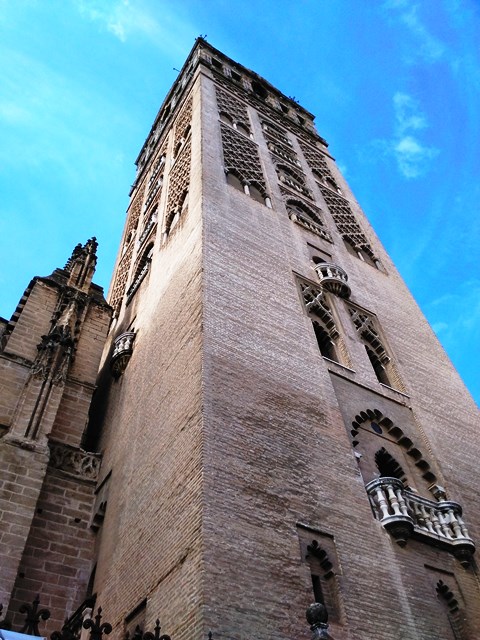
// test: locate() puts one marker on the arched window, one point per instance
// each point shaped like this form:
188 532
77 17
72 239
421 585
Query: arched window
235 181
325 342
378 367
225 117
388 467
173 217
256 194
243 129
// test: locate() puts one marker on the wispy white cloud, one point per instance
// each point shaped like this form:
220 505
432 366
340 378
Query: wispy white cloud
127 20
118 17
411 155
425 45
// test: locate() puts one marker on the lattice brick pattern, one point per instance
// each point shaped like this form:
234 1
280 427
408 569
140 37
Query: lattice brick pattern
364 324
121 278
183 122
134 215
315 302
233 107
241 158
346 222
273 132
282 152
316 160
317 305
179 180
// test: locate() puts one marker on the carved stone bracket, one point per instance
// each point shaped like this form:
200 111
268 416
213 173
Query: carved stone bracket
73 461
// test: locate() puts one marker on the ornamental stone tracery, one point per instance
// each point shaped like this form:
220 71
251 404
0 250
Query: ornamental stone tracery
315 302
241 158
305 215
121 279
183 123
179 182
339 207
231 106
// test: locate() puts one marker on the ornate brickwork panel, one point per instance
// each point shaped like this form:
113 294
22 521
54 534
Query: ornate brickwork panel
282 152
342 214
121 278
241 158
316 160
306 215
232 107
178 185
183 123
367 329
273 132
134 215
365 326
268 106
155 181
345 222
293 178
321 313
315 302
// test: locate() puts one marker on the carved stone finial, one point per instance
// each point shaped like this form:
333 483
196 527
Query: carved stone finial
81 264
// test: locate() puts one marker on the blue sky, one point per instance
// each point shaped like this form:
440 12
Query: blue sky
394 85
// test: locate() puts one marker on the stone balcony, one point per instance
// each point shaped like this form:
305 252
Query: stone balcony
122 352
333 279
405 514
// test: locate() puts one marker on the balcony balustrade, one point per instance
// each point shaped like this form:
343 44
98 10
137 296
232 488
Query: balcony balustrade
122 352
405 514
333 279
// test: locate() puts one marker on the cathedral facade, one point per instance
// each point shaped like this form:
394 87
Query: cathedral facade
273 424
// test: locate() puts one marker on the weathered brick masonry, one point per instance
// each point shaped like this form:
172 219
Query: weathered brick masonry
276 421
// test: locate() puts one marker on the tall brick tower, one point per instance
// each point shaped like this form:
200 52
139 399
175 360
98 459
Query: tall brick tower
278 423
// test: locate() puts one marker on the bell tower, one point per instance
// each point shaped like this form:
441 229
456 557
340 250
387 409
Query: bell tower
283 426
278 426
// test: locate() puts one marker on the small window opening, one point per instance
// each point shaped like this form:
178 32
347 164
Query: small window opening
388 466
243 129
259 90
234 181
224 117
317 589
166 111
378 367
284 108
217 64
256 194
325 343
236 76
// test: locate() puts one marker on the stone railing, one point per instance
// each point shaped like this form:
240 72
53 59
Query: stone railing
122 352
333 278
405 514
306 222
